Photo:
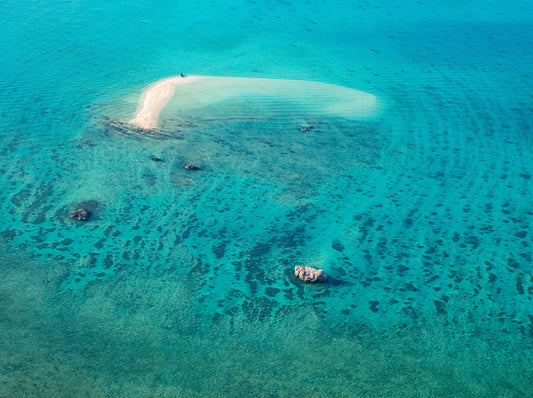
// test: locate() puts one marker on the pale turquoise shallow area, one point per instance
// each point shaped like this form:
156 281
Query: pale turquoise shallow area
182 283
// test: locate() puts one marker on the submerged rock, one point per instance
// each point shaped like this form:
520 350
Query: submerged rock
81 214
112 127
310 275
190 166
305 129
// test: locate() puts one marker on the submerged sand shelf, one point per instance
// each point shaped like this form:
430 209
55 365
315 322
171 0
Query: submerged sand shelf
199 91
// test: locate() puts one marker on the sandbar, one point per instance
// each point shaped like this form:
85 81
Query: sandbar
313 97
154 98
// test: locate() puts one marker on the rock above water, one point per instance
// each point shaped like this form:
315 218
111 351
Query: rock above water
310 275
81 214
190 166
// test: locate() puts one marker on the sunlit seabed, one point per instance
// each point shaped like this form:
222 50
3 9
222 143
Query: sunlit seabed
277 97
178 270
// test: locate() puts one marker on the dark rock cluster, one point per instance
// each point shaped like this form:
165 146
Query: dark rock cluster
81 214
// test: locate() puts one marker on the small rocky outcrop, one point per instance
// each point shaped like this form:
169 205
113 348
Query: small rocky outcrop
305 129
190 166
81 214
310 275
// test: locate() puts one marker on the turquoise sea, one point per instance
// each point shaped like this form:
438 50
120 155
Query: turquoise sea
182 283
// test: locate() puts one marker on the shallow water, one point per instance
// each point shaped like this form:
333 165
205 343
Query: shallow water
182 282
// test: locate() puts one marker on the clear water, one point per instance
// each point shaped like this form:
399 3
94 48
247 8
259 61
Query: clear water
182 283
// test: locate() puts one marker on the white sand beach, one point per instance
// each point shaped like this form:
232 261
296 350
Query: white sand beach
154 98
313 97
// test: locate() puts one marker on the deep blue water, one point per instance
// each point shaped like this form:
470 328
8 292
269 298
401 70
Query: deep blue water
182 283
